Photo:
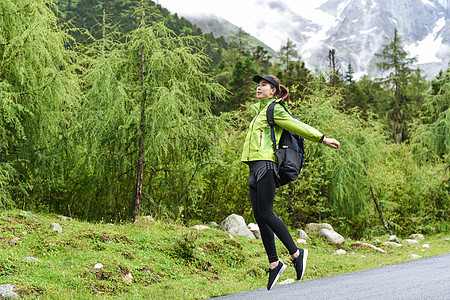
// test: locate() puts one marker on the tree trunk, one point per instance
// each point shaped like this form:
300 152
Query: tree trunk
140 175
379 211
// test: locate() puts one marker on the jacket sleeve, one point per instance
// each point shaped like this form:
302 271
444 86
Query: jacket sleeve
286 121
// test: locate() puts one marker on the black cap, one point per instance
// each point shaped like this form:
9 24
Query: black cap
272 81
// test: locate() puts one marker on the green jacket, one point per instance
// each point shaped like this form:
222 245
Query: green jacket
258 144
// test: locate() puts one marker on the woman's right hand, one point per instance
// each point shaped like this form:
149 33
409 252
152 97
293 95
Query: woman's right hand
331 143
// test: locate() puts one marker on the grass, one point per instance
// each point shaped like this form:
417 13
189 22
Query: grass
166 260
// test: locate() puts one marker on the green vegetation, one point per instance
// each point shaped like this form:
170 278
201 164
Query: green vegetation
166 260
118 108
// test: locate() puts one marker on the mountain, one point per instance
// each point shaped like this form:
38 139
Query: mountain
357 29
220 27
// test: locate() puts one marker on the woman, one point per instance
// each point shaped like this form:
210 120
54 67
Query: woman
259 154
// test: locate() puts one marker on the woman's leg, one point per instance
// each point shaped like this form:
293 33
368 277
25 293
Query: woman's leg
267 235
265 195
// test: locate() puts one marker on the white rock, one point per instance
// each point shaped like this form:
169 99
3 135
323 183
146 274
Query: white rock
31 259
417 237
55 227
392 244
409 241
414 256
373 247
303 235
314 227
332 236
393 238
213 224
339 252
144 220
254 228
200 227
242 231
287 281
426 246
301 241
128 278
98 266
231 221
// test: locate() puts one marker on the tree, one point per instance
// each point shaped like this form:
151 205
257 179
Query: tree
148 118
394 59
39 93
334 76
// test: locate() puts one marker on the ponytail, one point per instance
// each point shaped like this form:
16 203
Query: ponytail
284 92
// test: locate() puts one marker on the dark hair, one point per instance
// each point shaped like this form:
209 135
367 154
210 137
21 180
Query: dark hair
284 92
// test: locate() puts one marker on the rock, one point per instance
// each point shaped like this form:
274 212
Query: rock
339 252
315 227
144 220
128 278
394 239
447 239
242 231
301 241
31 259
414 256
332 236
231 221
409 241
6 292
64 218
98 266
426 246
213 224
417 237
303 235
55 227
368 246
287 281
200 227
254 228
392 244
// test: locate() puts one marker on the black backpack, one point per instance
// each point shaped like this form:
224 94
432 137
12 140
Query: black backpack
290 152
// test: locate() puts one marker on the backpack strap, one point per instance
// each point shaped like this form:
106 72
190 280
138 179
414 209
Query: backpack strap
271 122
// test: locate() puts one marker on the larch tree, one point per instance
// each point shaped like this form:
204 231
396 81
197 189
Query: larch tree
38 96
148 118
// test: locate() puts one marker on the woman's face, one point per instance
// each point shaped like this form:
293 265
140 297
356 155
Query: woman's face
265 90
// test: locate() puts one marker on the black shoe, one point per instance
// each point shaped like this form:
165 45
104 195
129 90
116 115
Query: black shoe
275 273
300 263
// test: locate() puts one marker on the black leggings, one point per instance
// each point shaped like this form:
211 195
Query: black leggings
262 198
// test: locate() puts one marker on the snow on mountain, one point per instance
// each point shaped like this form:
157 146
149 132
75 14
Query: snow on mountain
356 29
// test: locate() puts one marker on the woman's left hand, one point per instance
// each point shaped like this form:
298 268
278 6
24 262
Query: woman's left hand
331 143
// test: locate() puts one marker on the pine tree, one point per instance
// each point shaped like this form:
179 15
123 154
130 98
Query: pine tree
395 60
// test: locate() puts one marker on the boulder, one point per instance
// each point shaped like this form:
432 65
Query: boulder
410 241
242 231
417 237
301 234
144 220
199 227
315 227
55 227
332 236
393 239
301 241
6 292
231 221
213 224
254 228
339 252
392 244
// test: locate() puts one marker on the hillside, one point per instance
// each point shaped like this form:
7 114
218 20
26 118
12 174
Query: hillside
158 260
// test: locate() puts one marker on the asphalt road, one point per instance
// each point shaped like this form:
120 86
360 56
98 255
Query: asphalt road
427 278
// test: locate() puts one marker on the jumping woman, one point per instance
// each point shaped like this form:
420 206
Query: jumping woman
259 154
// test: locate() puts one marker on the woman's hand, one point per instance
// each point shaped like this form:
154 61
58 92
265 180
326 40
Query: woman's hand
331 143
